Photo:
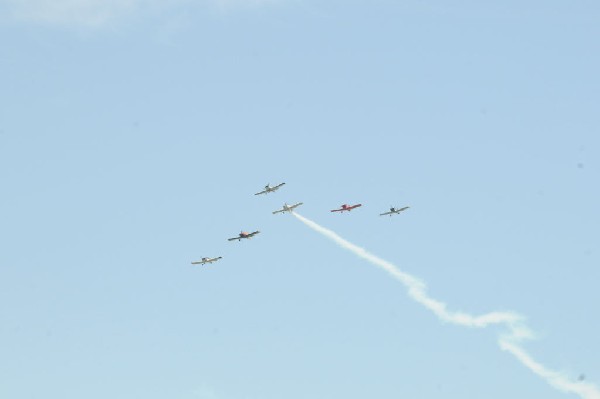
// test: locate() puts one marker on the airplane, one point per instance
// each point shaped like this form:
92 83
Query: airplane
346 207
206 260
287 208
393 211
244 234
269 189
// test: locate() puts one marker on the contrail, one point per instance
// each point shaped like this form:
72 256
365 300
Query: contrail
517 330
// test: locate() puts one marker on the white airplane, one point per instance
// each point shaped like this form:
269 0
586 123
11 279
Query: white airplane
244 234
394 210
287 208
206 260
269 189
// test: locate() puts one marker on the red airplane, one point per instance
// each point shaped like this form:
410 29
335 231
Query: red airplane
346 207
244 234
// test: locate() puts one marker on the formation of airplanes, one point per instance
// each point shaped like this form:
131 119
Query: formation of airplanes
290 209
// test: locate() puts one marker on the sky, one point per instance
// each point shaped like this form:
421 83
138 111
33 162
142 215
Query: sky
134 134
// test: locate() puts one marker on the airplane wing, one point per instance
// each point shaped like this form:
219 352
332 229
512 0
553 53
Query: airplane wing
262 192
355 206
402 209
234 238
386 213
199 262
337 210
253 233
277 186
279 211
296 205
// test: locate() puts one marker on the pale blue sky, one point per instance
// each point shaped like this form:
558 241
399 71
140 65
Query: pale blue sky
134 134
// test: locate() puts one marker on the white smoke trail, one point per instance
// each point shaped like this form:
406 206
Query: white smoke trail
518 331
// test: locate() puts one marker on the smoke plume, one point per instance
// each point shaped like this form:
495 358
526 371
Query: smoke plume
515 323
